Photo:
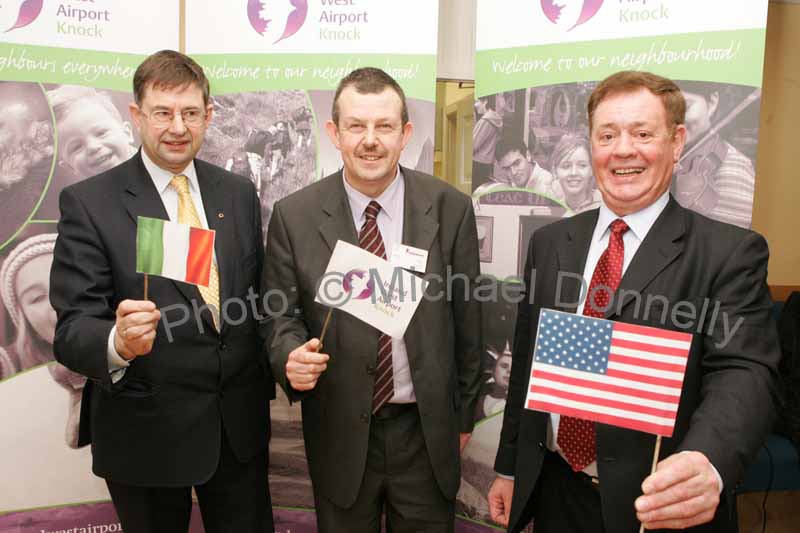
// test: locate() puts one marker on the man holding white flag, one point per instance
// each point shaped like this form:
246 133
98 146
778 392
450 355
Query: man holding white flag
178 399
384 417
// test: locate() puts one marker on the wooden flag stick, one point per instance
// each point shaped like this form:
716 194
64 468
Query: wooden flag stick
325 327
653 468
145 286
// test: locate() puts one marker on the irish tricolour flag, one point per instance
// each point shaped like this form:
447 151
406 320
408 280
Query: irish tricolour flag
176 251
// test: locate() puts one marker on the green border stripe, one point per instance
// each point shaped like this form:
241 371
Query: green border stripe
735 57
47 64
231 73
150 246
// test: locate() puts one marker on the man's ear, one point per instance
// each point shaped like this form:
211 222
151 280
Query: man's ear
136 115
408 129
333 133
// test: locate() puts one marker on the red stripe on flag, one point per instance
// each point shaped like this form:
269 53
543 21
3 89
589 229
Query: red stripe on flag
605 402
648 427
201 253
646 363
606 387
642 378
653 332
646 347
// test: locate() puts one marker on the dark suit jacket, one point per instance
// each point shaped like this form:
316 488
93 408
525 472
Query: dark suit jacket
729 392
443 339
161 424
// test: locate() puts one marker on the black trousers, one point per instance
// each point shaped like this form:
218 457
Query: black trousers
236 498
564 501
398 482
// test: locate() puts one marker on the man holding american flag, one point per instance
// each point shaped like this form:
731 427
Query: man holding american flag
589 388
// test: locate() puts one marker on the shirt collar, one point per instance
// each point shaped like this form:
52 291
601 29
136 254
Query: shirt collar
639 222
161 178
387 199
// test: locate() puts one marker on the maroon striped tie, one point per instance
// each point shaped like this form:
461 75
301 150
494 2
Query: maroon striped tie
576 436
369 238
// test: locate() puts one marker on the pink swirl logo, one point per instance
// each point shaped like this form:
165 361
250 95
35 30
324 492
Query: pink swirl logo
358 284
281 19
569 14
29 11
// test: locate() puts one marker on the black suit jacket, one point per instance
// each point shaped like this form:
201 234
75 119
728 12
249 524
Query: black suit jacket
729 392
162 423
443 339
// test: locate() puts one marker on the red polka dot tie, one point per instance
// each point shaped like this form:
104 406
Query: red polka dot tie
576 437
369 238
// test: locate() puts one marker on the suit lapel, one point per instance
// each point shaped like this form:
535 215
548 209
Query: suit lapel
661 246
572 252
419 228
339 223
140 195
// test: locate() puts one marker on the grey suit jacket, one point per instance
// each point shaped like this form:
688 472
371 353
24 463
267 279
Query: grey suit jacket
729 390
443 339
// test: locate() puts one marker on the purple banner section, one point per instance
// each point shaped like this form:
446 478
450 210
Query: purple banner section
101 518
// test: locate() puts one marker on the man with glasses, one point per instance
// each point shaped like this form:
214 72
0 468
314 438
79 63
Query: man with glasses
178 400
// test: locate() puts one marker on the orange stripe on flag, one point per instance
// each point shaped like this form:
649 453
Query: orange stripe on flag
201 253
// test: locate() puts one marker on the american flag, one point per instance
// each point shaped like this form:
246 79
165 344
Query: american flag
609 372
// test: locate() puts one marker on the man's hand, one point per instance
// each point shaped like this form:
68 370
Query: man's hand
683 492
305 365
499 497
464 439
136 323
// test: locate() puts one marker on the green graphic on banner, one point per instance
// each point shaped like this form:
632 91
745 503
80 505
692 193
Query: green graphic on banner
104 70
735 57
230 73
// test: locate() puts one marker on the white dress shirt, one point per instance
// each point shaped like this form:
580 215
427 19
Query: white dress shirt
639 224
390 224
169 196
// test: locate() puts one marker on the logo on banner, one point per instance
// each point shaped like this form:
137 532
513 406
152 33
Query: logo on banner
358 284
29 10
569 14
277 20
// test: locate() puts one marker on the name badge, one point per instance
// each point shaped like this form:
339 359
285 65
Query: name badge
408 257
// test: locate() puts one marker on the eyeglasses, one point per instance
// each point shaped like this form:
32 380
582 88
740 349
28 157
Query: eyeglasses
164 117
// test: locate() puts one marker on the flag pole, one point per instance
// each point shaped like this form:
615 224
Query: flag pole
145 286
325 327
653 468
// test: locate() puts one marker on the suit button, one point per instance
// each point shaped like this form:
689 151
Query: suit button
370 369
365 417
541 445
222 346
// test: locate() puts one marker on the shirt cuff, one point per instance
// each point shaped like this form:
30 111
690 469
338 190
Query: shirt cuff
504 476
117 365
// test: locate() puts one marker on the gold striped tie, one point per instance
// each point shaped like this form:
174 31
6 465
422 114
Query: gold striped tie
187 214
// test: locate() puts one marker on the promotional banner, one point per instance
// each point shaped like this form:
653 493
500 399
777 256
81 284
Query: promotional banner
536 64
66 72
274 67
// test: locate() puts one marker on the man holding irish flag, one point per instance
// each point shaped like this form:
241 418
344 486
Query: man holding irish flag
178 392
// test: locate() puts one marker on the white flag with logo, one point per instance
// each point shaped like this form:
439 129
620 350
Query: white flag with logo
371 289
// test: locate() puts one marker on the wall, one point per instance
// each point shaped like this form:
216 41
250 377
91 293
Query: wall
775 210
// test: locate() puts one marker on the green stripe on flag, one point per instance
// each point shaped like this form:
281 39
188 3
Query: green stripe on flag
149 246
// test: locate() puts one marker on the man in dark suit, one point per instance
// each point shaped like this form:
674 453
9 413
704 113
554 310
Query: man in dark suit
384 419
180 399
661 264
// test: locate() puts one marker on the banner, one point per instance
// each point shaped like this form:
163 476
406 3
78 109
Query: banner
274 67
537 62
66 72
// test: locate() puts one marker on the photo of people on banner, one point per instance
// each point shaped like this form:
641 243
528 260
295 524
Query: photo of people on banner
531 147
